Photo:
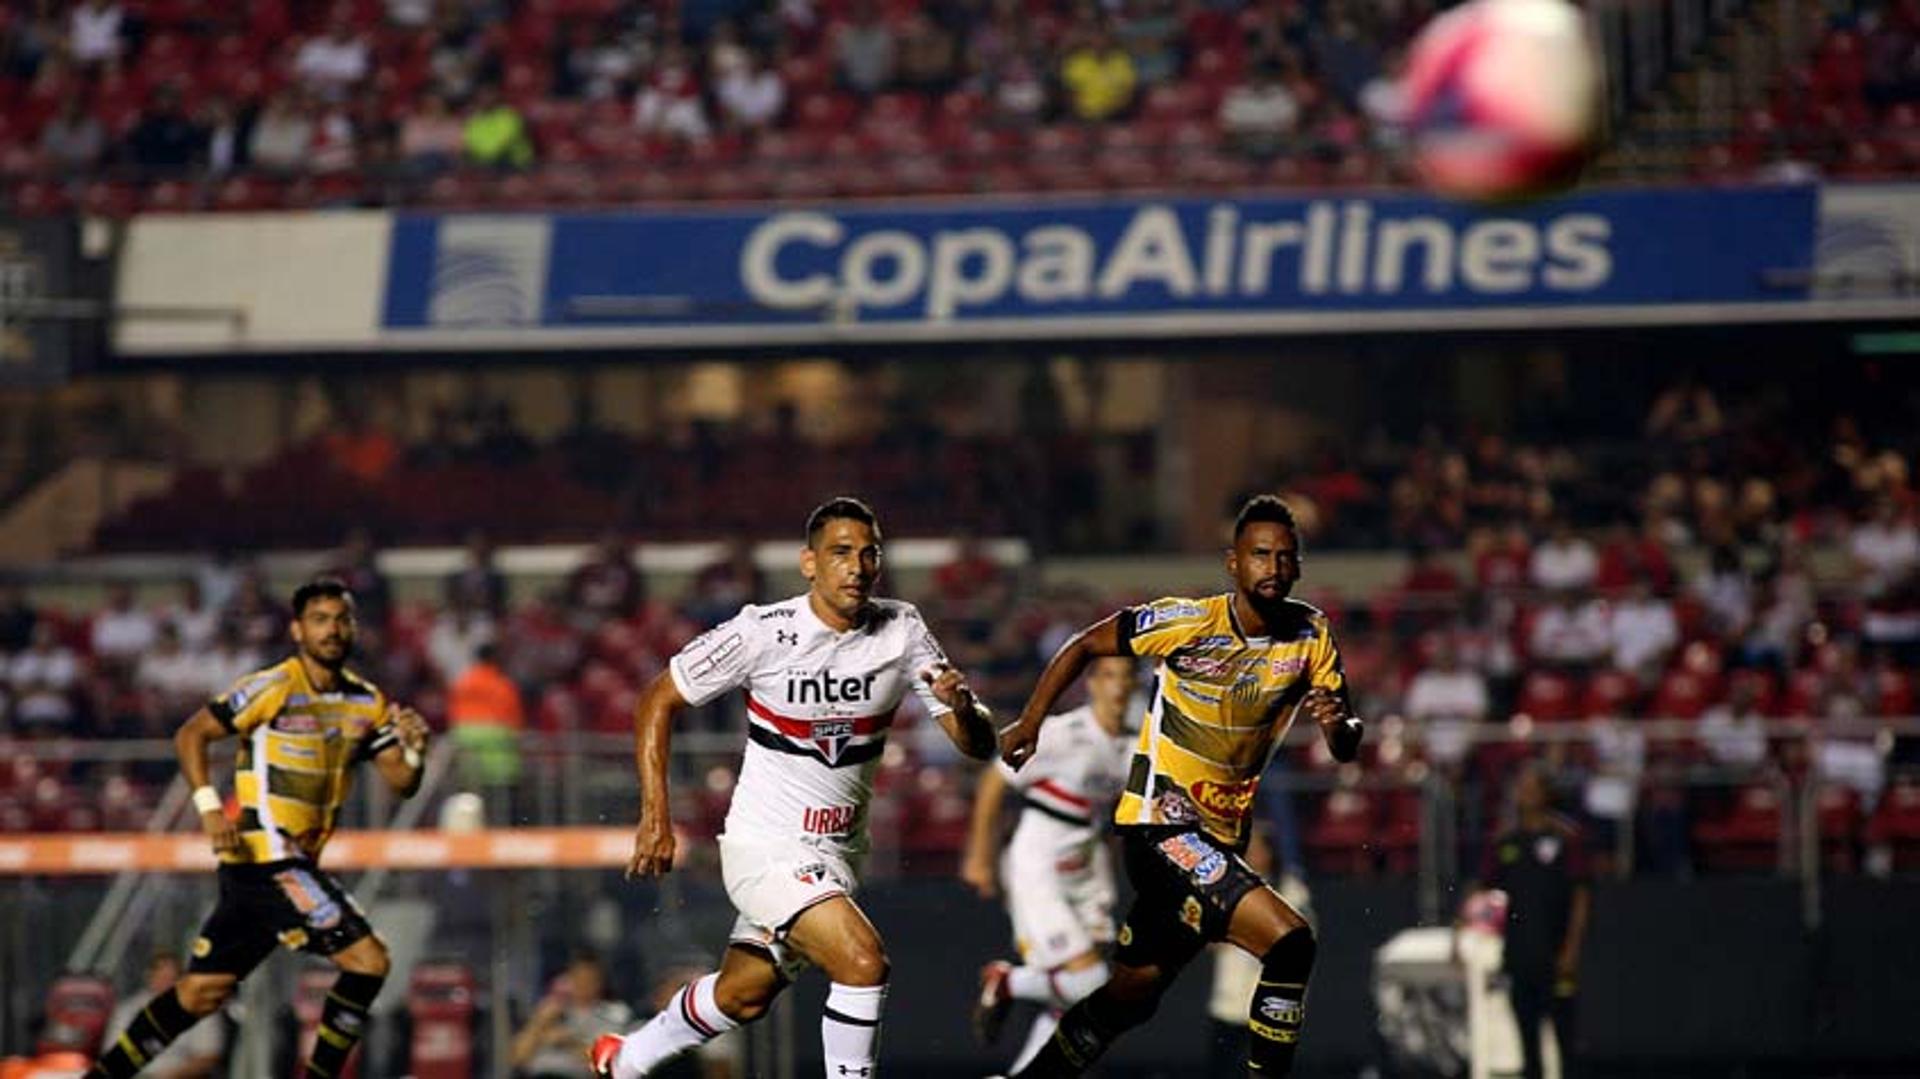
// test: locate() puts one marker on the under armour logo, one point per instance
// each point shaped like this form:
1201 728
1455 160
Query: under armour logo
856 1069
785 637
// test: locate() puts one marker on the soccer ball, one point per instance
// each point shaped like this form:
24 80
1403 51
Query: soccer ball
1501 98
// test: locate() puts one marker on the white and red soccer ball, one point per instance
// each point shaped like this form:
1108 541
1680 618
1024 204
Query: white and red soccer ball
1501 98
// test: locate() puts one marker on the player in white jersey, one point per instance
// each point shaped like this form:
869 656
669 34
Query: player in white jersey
1057 873
822 673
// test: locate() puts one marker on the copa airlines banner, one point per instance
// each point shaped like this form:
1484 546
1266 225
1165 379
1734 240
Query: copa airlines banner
1180 266
1036 269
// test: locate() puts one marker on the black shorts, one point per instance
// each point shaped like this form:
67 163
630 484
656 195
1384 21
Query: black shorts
1186 884
292 903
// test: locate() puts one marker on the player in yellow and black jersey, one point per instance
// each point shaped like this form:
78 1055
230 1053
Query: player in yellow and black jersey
303 725
1234 669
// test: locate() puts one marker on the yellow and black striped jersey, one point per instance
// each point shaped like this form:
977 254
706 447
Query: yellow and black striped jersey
297 750
1221 704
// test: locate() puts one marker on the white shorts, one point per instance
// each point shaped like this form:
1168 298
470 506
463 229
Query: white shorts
1061 901
772 883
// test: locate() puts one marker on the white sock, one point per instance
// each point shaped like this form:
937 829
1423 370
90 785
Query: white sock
691 1018
1055 988
1037 1038
1030 983
850 1029
1070 986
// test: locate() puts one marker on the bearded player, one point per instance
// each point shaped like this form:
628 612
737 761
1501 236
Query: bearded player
1056 871
1234 669
822 673
303 725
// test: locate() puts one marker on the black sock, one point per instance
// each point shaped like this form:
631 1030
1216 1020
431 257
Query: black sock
342 1022
155 1028
1279 1004
1085 1032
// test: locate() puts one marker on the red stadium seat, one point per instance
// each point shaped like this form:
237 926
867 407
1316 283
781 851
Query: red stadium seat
1173 102
825 112
111 198
1895 824
1682 694
1747 837
40 199
803 183
1400 831
1896 692
1609 693
1838 810
1130 170
1054 174
1547 696
1805 688
1340 839
1059 140
895 110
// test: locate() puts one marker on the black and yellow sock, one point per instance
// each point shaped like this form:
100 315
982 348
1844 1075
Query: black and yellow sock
155 1028
342 1023
1280 1004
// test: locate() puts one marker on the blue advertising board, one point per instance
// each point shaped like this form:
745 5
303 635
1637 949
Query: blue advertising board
1090 268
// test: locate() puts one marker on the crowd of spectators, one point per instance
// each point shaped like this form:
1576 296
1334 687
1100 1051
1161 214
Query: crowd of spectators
1567 631
178 104
347 101
1850 110
1755 470
1054 485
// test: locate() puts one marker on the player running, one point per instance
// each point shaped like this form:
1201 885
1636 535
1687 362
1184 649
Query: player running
823 673
1234 670
1057 873
303 723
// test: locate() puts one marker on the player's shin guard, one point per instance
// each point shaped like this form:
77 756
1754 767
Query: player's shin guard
850 1029
155 1028
343 1022
693 1017
1084 1034
1280 1004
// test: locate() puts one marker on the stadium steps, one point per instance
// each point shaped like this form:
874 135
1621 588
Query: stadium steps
60 514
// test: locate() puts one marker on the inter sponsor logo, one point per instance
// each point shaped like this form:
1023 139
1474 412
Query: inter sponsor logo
826 687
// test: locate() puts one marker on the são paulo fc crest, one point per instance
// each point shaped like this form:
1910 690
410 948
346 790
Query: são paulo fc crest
811 873
830 737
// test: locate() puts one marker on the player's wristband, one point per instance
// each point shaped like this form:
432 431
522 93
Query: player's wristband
207 800
411 756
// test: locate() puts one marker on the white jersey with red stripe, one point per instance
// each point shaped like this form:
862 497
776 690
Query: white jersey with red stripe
1069 784
819 705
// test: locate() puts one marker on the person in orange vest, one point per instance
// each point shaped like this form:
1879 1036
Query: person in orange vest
485 714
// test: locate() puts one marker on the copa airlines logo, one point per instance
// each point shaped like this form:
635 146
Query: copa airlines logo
1327 249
